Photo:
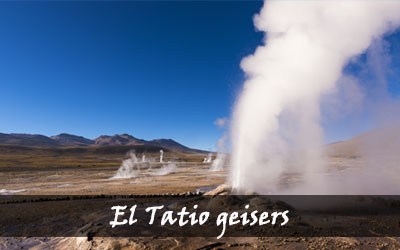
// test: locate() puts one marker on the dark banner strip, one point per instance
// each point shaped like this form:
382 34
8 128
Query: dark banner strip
199 216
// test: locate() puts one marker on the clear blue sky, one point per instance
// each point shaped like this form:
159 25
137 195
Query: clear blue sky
150 69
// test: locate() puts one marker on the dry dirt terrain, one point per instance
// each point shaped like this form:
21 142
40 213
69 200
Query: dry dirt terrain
89 171
186 177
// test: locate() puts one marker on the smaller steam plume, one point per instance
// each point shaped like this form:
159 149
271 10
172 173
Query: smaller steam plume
11 192
171 167
143 157
132 167
221 159
161 155
128 168
208 159
218 163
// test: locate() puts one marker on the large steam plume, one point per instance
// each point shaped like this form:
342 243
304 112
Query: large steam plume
276 117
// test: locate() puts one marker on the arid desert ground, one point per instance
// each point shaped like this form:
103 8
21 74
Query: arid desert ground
89 171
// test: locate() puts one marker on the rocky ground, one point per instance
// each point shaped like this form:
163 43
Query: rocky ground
202 243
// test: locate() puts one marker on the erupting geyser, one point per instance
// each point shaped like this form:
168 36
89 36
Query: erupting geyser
219 162
164 170
128 168
131 167
306 46
143 157
208 159
161 156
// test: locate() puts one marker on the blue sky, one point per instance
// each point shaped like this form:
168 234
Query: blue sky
150 69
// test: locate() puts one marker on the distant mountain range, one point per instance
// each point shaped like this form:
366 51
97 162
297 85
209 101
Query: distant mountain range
67 140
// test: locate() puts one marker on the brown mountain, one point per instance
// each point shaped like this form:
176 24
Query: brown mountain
128 140
383 141
71 140
168 143
27 140
68 140
120 140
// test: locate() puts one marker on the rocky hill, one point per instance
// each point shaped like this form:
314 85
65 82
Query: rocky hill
68 140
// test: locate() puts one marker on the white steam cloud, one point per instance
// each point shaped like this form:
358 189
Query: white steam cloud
277 115
132 167
208 159
170 168
221 122
161 155
143 157
129 167
219 162
221 159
